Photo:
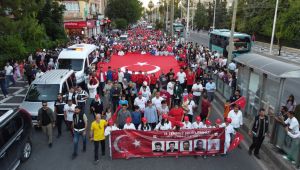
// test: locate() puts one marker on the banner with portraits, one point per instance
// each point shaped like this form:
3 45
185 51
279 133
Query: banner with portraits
131 143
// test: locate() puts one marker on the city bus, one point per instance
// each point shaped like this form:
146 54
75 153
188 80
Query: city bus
178 29
219 41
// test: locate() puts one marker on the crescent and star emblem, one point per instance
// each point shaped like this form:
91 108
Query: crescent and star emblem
156 69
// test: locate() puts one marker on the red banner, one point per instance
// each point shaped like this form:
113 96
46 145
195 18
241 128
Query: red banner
132 143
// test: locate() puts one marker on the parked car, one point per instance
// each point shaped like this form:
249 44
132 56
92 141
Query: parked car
15 138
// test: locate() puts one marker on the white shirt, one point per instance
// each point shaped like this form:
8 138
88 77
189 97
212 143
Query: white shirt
170 88
197 125
130 126
197 89
70 111
146 94
181 77
120 76
293 125
187 125
166 126
232 66
140 102
109 129
157 101
8 70
237 118
92 90
191 106
101 76
228 130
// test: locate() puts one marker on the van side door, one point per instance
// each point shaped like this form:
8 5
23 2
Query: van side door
10 139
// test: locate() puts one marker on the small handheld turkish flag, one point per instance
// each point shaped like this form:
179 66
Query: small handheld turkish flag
241 102
238 138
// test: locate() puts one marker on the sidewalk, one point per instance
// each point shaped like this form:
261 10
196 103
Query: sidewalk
270 155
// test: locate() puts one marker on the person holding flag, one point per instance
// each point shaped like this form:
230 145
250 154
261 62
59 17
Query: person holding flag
186 124
197 124
165 124
229 132
129 125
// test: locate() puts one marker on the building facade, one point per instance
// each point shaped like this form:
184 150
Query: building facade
83 17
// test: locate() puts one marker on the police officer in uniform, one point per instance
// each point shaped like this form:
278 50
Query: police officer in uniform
71 95
81 98
79 127
59 110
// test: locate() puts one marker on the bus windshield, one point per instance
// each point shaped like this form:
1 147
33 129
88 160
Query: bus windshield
42 92
74 64
241 44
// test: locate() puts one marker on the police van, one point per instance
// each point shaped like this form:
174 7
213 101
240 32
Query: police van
46 88
78 57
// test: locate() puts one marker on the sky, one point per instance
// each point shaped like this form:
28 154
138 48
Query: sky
145 2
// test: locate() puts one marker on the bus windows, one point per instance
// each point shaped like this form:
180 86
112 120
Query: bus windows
241 44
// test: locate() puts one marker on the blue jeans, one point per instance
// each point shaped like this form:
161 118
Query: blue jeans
9 78
3 87
76 140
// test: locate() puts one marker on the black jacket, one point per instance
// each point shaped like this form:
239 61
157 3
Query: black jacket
255 127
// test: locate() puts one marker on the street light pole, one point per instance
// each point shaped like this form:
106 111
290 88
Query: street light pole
172 18
232 32
273 30
167 16
187 20
214 21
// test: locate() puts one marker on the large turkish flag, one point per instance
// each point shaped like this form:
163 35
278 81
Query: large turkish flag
145 63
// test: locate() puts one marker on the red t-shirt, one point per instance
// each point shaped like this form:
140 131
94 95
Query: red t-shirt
140 78
147 79
205 104
115 76
166 95
177 114
190 78
134 78
153 80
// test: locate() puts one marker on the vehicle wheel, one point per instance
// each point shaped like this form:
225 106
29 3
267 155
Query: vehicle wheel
26 151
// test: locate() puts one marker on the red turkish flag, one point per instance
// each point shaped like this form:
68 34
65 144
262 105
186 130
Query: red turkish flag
241 102
238 138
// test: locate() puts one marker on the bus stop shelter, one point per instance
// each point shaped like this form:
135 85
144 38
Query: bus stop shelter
262 80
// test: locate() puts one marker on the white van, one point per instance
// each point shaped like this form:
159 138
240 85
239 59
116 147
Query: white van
46 88
77 57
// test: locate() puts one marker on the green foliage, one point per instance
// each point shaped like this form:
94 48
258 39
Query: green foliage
131 11
51 16
120 23
201 17
23 29
256 16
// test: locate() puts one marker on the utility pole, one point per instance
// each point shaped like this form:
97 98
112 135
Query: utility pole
167 17
172 18
273 30
214 21
232 32
187 20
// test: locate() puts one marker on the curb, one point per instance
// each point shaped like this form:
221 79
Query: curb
270 154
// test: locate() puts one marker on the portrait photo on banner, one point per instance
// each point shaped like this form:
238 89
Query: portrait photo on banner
158 146
186 146
213 145
172 147
200 145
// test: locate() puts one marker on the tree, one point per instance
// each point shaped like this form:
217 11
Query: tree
201 17
51 16
120 23
131 11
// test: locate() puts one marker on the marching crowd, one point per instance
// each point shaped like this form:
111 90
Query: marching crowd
135 100
128 100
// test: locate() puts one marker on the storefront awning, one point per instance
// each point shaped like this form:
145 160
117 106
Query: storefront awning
269 66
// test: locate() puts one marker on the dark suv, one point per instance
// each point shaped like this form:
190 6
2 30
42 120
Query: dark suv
15 138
